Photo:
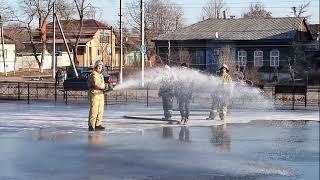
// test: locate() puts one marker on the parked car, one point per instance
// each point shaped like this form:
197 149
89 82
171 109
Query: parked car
80 83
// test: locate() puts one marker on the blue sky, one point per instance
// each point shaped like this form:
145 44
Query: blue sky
109 9
193 8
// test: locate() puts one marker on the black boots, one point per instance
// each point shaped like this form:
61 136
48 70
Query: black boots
184 121
91 128
98 128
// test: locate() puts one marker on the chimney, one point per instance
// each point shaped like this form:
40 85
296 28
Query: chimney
224 14
217 35
294 9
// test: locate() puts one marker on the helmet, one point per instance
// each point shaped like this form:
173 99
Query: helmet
224 66
184 65
97 63
167 67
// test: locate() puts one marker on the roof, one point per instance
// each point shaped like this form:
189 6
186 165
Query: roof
315 30
238 29
8 40
71 27
73 40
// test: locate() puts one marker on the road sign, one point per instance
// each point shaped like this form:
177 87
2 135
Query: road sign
143 49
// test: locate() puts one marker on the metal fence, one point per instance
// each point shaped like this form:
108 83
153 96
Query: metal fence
37 91
42 91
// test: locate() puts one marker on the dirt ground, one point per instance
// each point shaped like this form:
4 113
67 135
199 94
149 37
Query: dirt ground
23 75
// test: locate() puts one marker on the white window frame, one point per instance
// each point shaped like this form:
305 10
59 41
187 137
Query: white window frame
258 58
274 59
242 58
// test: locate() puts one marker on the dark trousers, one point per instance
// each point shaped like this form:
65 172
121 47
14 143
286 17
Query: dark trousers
57 81
184 107
167 103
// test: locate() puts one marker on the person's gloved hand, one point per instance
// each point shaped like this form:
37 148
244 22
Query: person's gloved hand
108 88
102 87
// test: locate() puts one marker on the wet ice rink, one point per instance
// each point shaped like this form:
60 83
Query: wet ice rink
51 141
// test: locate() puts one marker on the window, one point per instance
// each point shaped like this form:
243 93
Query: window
274 57
242 58
99 51
199 57
258 58
104 37
216 51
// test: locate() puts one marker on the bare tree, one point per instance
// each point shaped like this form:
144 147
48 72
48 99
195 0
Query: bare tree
18 33
297 63
40 11
161 16
213 9
178 56
6 11
65 10
83 9
80 4
226 55
301 10
252 74
36 9
257 10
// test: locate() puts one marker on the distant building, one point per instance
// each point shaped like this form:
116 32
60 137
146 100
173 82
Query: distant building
9 55
264 44
97 41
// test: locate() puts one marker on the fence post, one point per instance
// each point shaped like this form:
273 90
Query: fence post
66 94
28 93
136 95
37 90
116 96
305 99
293 95
55 93
126 96
19 91
147 96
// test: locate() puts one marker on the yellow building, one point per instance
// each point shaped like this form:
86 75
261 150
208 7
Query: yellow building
97 41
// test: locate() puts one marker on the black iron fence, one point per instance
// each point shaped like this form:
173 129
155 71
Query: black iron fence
37 91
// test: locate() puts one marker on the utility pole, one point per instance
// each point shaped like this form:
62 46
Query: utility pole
54 43
143 47
111 46
169 52
121 44
2 43
67 46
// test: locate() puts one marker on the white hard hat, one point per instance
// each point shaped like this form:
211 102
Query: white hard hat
167 67
97 63
224 66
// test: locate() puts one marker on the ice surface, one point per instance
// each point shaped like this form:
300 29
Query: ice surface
51 141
